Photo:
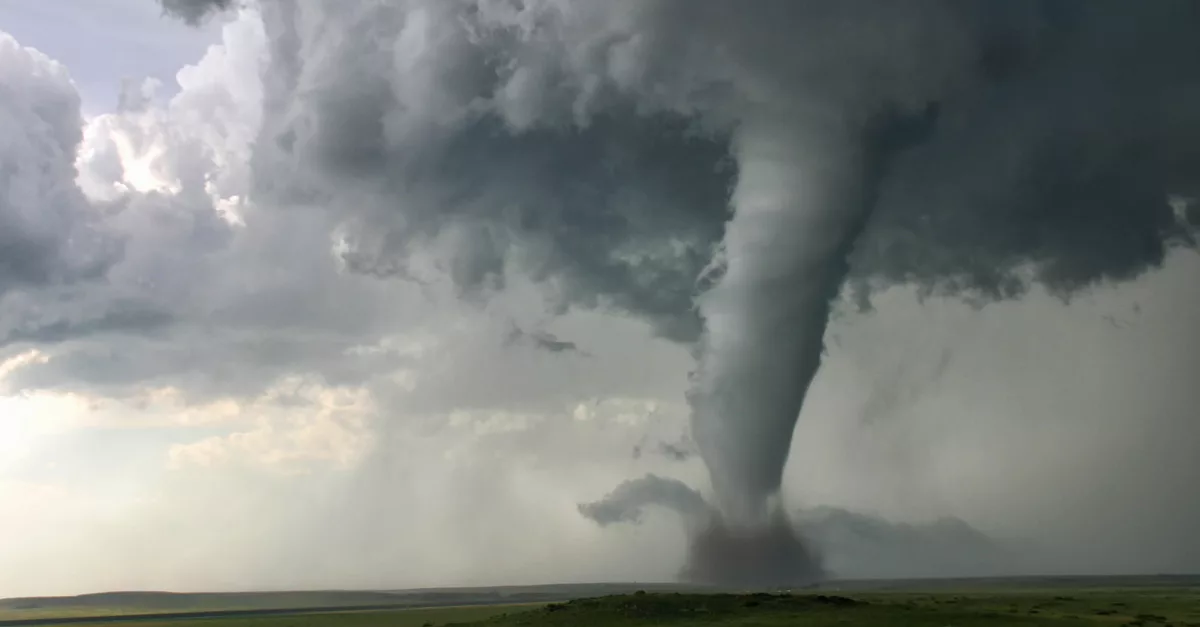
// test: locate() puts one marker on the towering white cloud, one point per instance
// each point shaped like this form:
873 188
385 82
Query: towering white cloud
49 234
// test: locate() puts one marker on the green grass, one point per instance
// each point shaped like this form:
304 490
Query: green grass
1101 608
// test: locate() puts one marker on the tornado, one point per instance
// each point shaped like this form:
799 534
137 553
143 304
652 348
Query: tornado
797 207
803 195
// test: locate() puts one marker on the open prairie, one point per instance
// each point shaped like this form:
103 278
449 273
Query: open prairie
1065 602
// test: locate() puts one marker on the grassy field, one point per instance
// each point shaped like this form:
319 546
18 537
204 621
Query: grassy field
939 606
1130 608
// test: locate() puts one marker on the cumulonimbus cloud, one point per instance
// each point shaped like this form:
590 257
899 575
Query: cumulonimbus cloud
634 155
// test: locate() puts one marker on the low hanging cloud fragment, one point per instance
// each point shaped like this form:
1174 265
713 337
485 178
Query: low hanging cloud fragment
541 340
675 451
678 451
627 502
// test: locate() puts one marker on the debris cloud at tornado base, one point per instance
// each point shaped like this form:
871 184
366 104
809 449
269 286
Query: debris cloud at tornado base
724 170
770 553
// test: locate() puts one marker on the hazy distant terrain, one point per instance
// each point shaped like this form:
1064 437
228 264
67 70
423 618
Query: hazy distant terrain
152 603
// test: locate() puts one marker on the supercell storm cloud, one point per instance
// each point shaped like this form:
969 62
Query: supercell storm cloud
725 170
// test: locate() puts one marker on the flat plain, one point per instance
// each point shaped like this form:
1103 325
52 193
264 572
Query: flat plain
1100 602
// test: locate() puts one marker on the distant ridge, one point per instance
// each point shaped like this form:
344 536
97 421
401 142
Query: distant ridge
143 605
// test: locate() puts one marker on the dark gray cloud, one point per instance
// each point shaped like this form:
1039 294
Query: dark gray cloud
596 222
599 157
613 186
1060 173
194 11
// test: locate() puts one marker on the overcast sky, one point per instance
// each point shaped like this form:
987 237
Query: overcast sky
228 362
